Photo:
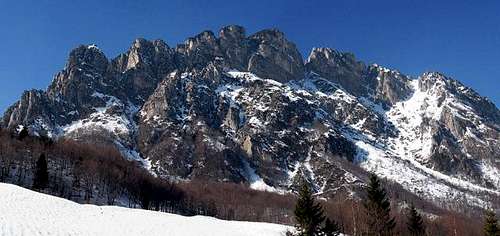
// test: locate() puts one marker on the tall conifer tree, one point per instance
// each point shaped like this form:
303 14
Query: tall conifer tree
308 214
415 222
330 228
41 175
378 209
23 133
491 227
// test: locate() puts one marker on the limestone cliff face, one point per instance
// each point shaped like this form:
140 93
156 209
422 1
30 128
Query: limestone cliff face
340 68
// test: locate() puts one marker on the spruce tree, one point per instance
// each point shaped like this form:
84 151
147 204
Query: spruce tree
415 222
378 209
330 228
23 133
491 227
308 214
41 175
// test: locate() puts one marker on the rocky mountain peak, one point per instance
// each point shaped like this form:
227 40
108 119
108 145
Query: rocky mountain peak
337 67
383 70
445 86
433 79
330 55
387 86
232 33
266 53
146 54
273 56
87 56
270 35
203 39
234 45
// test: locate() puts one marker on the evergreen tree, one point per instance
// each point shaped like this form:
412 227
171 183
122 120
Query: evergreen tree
41 176
491 227
415 222
308 214
330 228
23 133
378 209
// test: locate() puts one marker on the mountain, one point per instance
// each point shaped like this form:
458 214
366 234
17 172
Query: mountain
249 109
25 212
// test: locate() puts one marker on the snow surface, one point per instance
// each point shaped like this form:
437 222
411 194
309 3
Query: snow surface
416 178
256 182
119 124
408 116
25 212
101 119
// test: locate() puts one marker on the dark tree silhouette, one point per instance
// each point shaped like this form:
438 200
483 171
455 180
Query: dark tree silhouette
491 227
330 228
23 133
378 210
41 175
415 222
308 214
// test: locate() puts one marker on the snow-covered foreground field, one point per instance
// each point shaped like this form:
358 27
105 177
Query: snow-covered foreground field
25 212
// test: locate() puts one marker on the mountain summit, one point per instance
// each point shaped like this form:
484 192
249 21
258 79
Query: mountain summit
249 109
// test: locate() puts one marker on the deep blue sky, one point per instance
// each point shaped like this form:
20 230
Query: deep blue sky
458 38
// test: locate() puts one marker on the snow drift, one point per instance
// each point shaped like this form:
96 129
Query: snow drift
25 212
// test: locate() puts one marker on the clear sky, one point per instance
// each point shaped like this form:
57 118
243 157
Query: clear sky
458 38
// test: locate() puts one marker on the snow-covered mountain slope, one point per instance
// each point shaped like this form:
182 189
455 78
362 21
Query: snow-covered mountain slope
25 212
411 157
248 109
